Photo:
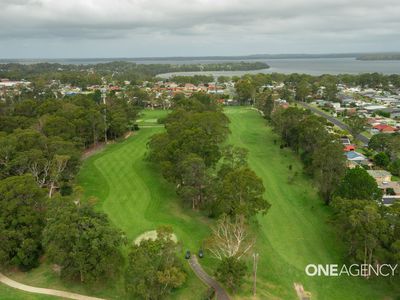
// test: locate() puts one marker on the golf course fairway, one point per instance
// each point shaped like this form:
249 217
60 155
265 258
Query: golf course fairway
296 231
132 192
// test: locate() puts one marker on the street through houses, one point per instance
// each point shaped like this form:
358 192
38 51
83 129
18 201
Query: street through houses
362 138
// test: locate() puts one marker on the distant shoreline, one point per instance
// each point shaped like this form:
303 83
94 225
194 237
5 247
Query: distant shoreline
305 65
94 60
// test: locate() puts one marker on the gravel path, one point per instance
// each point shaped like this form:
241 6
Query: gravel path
31 289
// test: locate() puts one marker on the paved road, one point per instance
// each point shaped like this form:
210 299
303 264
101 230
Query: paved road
340 124
31 289
207 279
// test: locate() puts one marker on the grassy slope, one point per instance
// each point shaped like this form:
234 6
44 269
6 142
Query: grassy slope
7 293
295 232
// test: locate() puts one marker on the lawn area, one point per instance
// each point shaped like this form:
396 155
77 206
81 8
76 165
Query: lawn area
296 230
150 117
8 293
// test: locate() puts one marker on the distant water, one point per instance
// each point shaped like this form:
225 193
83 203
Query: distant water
312 66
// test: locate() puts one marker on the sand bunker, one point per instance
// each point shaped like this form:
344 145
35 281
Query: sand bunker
152 234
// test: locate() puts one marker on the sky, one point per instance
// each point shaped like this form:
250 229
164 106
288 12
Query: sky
159 28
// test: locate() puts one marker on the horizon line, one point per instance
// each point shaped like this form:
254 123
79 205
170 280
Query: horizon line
245 56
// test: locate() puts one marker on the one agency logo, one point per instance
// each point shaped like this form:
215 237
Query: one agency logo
354 270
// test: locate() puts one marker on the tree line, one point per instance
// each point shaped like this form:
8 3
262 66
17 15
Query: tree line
195 79
42 211
299 86
118 70
320 151
208 174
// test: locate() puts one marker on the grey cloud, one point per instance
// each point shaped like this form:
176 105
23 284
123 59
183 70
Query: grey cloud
132 22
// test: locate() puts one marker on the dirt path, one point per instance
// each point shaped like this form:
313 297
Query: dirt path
92 150
31 289
207 279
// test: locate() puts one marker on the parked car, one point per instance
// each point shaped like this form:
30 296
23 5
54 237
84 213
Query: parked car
201 253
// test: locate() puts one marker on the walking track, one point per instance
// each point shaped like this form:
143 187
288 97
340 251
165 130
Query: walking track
31 289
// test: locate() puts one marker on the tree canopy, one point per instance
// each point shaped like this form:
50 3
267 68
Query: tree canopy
22 218
82 241
154 269
358 184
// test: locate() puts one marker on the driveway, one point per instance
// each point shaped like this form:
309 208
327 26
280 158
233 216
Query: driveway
207 279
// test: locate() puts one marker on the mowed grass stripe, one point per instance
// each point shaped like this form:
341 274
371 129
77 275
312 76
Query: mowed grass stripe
272 167
296 231
132 192
127 192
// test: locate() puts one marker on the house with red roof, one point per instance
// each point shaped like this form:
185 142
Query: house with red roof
383 128
348 148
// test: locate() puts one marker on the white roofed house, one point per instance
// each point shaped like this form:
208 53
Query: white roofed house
388 100
345 140
373 108
6 83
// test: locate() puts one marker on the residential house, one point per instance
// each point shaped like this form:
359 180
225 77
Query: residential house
380 175
348 148
374 108
383 128
391 189
388 200
387 100
355 159
345 140
395 113
348 101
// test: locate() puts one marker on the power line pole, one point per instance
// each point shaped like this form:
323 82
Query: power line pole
255 263
103 96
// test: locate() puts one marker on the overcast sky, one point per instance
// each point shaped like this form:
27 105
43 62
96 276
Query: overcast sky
142 28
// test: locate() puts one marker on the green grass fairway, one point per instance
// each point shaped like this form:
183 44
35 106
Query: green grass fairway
136 197
295 232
